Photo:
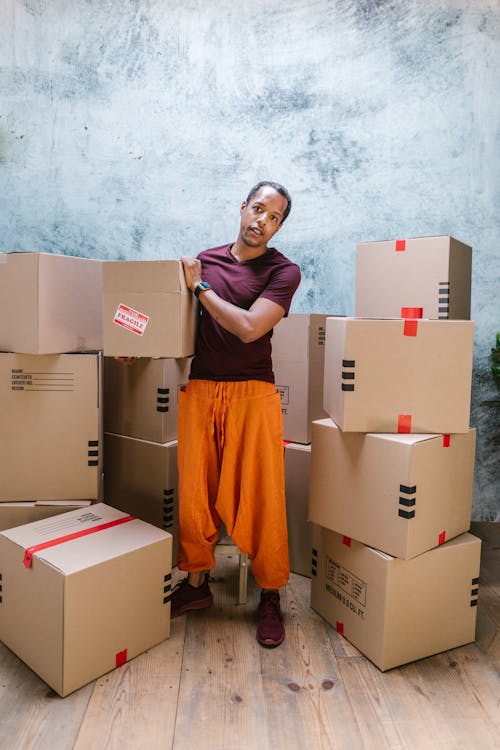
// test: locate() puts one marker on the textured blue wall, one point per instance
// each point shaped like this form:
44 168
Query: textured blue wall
132 129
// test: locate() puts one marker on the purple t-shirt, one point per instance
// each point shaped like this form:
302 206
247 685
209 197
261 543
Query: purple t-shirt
219 354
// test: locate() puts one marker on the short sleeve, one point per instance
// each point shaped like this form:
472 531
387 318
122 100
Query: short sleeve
282 285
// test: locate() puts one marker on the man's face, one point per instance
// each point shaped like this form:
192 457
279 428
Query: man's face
261 218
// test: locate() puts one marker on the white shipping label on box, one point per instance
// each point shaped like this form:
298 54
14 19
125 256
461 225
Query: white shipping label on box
130 319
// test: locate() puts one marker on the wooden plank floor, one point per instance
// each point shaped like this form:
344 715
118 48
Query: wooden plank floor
211 687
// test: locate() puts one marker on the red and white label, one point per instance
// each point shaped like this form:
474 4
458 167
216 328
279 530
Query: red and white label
131 319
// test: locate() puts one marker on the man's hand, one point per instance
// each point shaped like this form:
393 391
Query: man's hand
192 271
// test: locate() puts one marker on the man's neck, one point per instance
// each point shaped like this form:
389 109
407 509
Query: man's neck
244 252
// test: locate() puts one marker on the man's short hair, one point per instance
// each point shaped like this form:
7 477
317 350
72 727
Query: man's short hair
279 189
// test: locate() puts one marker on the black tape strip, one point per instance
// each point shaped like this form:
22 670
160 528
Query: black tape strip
474 580
168 492
444 300
1 599
162 408
406 513
166 599
167 577
93 463
348 375
474 592
168 520
313 572
163 391
473 603
407 501
408 490
93 453
163 400
315 552
93 443
348 363
443 309
166 589
444 283
347 386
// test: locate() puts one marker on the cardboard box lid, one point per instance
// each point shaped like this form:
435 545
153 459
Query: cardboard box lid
403 438
434 240
87 550
148 276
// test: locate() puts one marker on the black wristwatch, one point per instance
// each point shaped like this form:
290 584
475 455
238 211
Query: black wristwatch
201 286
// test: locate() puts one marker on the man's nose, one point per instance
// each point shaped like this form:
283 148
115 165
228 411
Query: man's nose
261 219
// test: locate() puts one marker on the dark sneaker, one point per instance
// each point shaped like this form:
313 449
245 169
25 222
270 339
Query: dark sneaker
270 630
186 597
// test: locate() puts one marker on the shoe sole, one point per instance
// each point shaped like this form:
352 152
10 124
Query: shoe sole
201 604
268 643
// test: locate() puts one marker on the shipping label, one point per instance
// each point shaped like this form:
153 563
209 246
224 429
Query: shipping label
131 319
345 580
34 380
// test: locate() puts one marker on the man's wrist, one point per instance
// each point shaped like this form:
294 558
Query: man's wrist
201 286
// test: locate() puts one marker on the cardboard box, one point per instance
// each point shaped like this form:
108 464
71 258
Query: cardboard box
298 363
398 375
396 611
18 514
88 604
141 400
297 466
148 311
403 494
50 413
140 478
432 274
50 304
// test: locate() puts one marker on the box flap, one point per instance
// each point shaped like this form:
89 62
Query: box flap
148 276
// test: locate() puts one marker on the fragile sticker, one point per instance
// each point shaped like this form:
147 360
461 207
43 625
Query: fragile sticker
131 319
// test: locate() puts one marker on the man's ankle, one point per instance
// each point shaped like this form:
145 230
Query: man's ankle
196 579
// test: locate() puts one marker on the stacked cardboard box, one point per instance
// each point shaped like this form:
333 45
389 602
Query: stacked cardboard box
98 568
391 468
298 364
149 313
140 440
50 392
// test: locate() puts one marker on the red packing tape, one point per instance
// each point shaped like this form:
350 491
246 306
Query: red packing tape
121 657
442 537
400 245
446 441
339 627
404 423
347 541
30 551
410 327
412 312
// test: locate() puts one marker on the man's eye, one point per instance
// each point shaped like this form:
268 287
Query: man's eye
274 218
257 208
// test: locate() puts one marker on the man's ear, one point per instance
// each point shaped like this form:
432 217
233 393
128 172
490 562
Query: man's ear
243 206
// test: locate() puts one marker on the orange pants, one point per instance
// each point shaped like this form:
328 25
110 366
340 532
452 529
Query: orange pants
231 469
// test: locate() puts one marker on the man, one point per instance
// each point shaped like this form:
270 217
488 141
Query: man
230 448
